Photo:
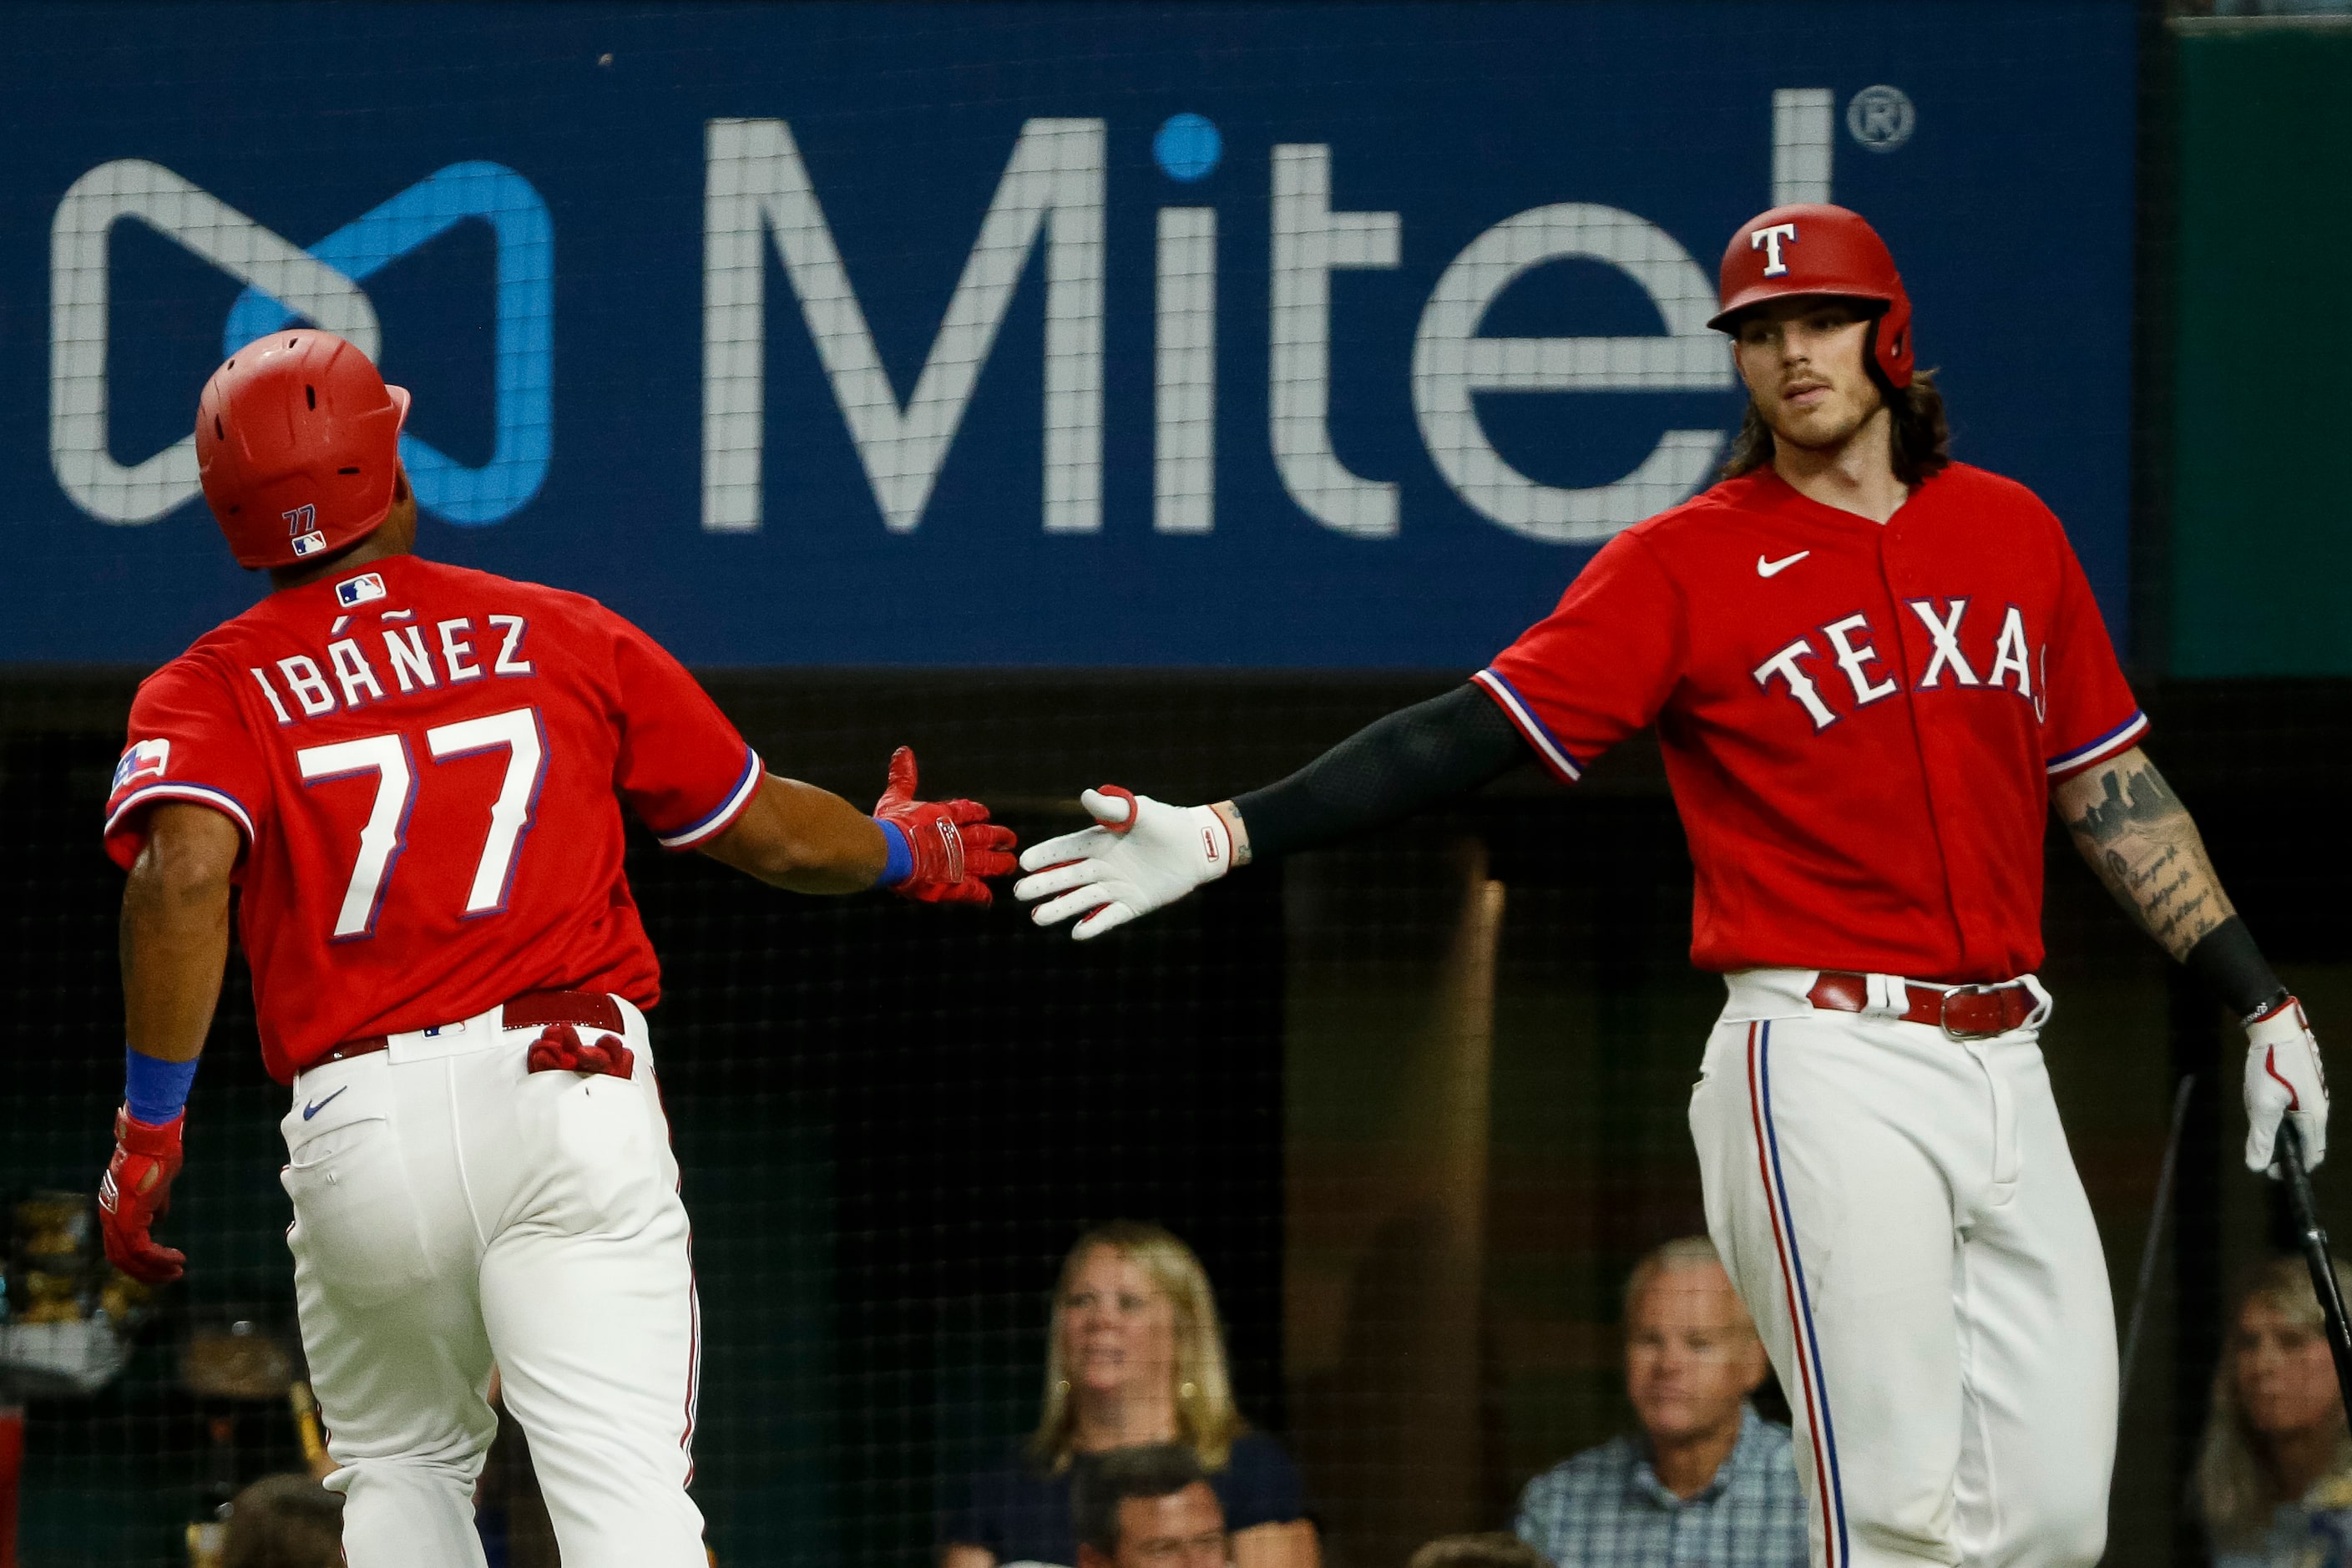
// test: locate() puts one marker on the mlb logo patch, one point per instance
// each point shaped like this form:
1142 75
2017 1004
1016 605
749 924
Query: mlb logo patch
144 760
359 589
310 544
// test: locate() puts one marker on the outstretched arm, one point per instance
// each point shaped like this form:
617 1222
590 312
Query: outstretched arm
1385 772
808 840
2141 842
1144 854
804 839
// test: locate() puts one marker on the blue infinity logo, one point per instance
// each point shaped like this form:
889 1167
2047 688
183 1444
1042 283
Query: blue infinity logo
525 349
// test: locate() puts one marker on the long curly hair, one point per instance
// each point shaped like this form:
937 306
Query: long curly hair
1207 1420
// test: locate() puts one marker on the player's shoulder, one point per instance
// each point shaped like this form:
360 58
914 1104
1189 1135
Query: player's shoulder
445 580
211 662
1962 502
1968 485
1706 535
1742 499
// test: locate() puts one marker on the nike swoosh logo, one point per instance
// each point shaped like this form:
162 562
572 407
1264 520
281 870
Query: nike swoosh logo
1768 568
314 1109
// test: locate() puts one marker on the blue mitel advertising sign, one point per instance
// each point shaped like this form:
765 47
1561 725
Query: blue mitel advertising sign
1062 334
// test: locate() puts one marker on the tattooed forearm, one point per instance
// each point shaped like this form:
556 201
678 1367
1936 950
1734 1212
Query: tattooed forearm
2139 839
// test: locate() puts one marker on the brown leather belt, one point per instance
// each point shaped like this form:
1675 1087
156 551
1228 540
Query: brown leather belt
1963 1012
531 1010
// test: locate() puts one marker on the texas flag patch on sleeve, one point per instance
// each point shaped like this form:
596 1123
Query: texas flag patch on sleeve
144 760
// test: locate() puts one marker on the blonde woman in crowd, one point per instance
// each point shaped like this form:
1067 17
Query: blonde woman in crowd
1134 1355
2274 1480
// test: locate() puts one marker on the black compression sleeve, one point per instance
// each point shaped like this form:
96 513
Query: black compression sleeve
2234 969
1388 770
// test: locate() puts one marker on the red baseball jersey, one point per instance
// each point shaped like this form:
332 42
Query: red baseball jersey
1860 722
426 764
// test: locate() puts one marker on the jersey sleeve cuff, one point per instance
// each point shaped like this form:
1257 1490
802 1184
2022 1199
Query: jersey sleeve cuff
138 800
2121 738
1522 715
720 820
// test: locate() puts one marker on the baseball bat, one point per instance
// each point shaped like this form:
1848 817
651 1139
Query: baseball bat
2149 1248
2315 1254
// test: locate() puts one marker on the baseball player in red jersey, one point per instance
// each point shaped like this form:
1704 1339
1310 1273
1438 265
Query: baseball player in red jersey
409 772
1872 670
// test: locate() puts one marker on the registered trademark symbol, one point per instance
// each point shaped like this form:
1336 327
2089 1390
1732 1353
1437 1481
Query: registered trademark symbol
1880 118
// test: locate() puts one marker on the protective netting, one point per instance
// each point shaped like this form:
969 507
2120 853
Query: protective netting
1417 1130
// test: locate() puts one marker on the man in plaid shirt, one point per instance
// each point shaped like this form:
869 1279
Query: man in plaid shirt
1708 1483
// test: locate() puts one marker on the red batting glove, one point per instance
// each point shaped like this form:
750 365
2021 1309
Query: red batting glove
953 843
135 1191
560 1050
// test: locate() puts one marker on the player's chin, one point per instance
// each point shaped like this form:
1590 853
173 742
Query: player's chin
1817 426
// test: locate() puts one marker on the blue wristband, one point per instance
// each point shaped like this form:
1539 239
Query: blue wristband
154 1090
901 862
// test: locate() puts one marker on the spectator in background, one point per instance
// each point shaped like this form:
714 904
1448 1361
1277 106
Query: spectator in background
1134 1355
1148 1508
1486 1549
1707 1479
284 1522
2274 1480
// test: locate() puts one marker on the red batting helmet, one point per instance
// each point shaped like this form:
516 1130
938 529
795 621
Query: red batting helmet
1812 247
297 439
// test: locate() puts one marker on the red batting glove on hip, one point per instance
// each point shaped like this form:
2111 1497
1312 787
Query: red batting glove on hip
560 1050
135 1191
953 844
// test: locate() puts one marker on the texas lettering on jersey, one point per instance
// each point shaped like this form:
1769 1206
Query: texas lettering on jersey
427 765
1851 644
1859 722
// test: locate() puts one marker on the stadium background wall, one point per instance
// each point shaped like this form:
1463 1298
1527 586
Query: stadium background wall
2264 135
887 1140
1255 268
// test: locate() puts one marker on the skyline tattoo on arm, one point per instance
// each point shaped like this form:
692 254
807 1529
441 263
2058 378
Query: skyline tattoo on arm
2143 845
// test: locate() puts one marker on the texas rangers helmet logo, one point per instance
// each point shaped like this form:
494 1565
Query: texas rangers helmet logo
1768 241
144 760
303 527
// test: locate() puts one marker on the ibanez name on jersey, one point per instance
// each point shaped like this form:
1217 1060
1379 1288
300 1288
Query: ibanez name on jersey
413 657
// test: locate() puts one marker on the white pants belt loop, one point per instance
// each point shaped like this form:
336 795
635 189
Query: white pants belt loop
1890 996
2045 1004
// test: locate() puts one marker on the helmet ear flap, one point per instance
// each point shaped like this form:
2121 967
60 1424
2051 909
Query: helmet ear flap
1891 341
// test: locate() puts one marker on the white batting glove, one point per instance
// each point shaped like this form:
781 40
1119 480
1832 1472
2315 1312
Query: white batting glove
1144 854
2282 1079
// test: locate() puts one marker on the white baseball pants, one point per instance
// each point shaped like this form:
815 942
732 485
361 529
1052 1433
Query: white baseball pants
1899 1211
453 1210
